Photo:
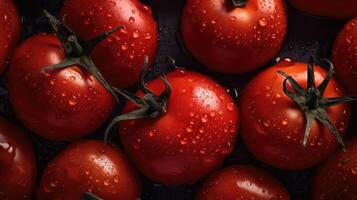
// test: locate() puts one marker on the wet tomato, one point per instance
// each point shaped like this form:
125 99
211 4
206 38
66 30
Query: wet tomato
242 182
233 38
287 126
344 56
10 28
190 128
89 166
61 104
328 8
120 56
337 178
17 163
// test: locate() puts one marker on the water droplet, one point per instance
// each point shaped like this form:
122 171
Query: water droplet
204 119
348 38
354 170
263 21
124 46
72 78
136 34
189 130
183 142
230 106
72 101
285 122
132 20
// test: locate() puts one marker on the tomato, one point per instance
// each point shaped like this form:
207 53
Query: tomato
17 163
344 56
233 39
61 104
337 178
120 56
89 166
10 28
273 124
190 136
329 8
241 182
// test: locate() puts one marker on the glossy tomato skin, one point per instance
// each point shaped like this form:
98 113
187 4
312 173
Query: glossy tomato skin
89 166
337 178
191 139
17 163
120 57
273 125
233 40
10 29
344 56
340 9
242 182
59 105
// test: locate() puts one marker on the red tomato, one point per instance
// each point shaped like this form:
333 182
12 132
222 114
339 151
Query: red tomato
273 125
17 163
344 56
61 104
337 178
242 182
330 8
194 135
10 28
230 39
89 166
120 56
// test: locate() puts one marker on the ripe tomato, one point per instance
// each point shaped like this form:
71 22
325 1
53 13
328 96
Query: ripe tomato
329 8
61 104
273 124
337 178
233 39
17 163
344 56
120 56
89 166
10 28
191 135
242 182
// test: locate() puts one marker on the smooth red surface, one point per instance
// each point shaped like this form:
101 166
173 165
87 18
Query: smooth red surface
191 139
337 178
233 40
242 182
10 29
17 163
63 104
344 56
121 56
89 166
338 9
273 125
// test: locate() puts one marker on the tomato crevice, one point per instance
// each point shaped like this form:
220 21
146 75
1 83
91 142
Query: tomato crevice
312 102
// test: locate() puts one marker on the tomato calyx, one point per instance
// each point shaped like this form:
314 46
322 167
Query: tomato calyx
150 105
312 102
239 3
77 51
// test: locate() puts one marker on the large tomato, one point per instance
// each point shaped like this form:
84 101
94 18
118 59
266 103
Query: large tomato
344 56
275 128
61 104
337 178
17 163
120 56
233 39
242 182
9 29
330 8
188 132
89 166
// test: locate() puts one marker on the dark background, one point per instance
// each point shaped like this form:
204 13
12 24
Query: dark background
307 35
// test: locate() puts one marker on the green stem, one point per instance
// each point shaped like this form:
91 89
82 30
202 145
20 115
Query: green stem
239 3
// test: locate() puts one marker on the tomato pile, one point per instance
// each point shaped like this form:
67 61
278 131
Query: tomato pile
161 100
